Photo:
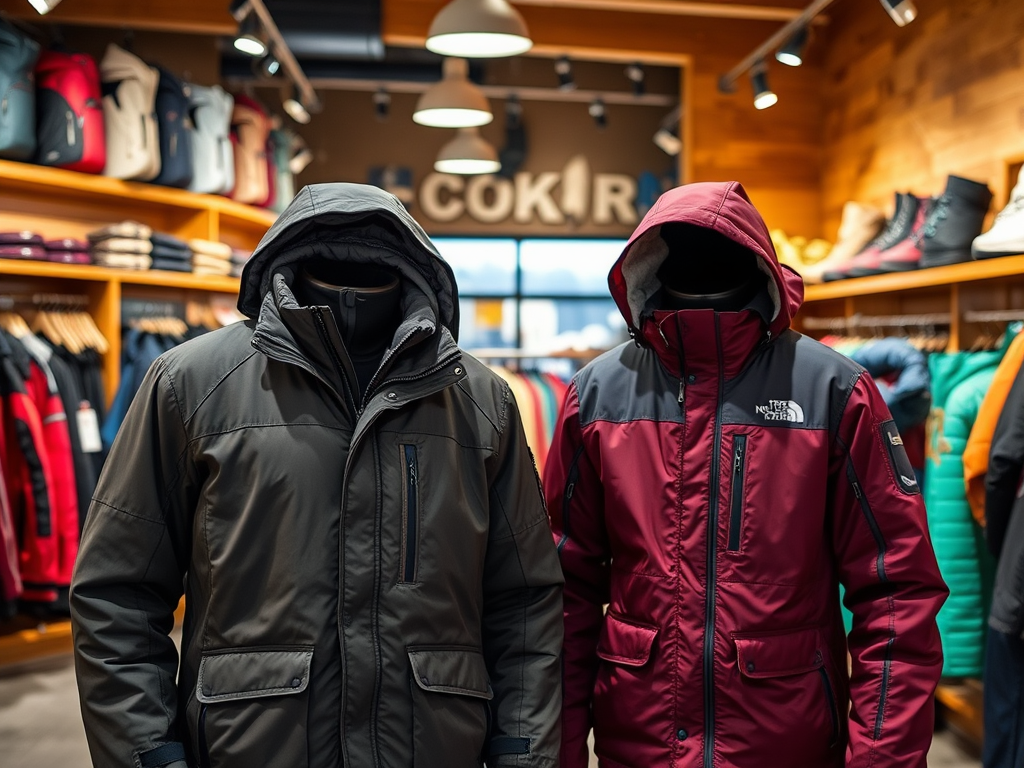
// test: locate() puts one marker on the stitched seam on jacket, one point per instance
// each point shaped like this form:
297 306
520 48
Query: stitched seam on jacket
840 410
522 530
268 425
126 512
408 432
219 381
461 385
150 633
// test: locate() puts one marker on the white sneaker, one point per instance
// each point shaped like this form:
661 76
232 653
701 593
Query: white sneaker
1006 237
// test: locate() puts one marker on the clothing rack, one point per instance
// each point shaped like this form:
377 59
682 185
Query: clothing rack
994 316
877 321
138 309
70 301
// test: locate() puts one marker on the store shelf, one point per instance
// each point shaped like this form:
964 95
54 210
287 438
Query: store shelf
47 639
177 280
960 707
36 177
971 271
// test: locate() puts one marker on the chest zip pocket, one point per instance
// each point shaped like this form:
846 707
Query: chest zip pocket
739 461
410 518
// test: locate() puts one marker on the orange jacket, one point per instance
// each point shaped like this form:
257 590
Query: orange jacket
980 441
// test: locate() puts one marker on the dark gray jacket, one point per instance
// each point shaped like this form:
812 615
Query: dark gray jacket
1004 513
367 584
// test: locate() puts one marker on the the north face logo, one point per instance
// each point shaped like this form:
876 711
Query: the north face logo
780 410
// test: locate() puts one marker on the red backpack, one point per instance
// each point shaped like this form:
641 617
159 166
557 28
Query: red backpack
69 106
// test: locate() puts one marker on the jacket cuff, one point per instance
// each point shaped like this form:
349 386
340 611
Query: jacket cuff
164 755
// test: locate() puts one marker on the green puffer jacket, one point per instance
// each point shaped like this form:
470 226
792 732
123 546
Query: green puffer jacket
368 583
959 383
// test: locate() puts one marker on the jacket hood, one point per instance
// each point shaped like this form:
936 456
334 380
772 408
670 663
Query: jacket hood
119 64
341 214
720 206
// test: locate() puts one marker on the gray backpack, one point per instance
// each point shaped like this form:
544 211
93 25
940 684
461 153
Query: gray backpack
18 55
213 158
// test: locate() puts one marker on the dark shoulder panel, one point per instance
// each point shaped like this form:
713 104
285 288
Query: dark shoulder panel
627 383
795 382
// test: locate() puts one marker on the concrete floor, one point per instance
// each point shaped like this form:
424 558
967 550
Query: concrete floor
41 727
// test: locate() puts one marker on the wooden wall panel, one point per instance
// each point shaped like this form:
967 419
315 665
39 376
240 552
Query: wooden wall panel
905 107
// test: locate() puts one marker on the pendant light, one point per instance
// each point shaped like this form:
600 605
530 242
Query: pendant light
479 28
248 39
296 107
902 11
43 7
454 102
467 154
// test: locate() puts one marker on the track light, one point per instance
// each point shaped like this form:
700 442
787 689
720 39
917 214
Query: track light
44 6
300 160
382 104
635 73
792 53
248 38
269 66
467 154
597 111
667 137
902 11
764 97
454 102
478 28
563 68
296 108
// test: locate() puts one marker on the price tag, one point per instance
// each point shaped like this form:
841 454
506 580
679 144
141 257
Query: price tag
89 429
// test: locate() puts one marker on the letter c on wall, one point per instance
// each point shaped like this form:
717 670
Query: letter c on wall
431 193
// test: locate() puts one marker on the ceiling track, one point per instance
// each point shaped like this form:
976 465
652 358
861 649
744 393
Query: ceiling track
675 8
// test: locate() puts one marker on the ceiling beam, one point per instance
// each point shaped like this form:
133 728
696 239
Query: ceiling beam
202 17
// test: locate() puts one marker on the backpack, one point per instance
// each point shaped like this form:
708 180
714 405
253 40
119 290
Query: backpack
282 142
213 155
69 109
18 55
249 132
175 125
271 197
129 104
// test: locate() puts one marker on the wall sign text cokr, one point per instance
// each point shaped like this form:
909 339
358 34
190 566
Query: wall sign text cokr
573 196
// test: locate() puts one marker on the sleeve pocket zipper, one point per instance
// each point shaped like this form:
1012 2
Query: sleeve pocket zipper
739 460
570 487
411 521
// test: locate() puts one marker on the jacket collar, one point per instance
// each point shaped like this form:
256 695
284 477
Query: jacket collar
698 341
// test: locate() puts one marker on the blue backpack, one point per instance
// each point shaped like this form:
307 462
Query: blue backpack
174 122
18 55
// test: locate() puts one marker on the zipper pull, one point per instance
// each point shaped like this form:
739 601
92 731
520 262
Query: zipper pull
738 461
682 391
70 127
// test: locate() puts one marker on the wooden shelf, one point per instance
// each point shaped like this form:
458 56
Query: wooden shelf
47 639
186 280
971 271
37 177
960 706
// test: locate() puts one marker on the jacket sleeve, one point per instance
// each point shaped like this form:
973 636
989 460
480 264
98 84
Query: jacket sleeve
522 628
576 502
127 583
1005 464
893 587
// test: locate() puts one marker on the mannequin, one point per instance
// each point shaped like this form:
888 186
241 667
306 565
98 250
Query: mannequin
365 302
707 270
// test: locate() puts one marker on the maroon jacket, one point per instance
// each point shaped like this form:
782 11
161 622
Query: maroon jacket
713 484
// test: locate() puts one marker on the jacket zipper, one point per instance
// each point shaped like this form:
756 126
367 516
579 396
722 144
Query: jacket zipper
326 340
739 460
570 487
712 569
409 533
833 711
876 533
69 116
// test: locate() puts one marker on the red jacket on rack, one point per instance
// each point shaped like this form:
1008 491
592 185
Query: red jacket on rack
10 575
42 389
26 467
713 484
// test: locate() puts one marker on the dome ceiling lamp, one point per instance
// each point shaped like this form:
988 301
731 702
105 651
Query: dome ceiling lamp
468 154
453 102
479 29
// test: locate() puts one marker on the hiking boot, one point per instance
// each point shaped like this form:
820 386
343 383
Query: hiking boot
908 209
1006 238
905 256
860 225
953 223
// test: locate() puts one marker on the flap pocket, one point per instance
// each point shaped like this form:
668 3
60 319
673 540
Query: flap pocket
623 641
251 673
780 655
451 670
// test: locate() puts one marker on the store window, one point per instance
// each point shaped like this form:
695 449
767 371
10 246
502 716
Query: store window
540 295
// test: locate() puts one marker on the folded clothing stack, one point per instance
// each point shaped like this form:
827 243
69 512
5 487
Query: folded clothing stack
210 258
170 253
125 245
22 245
67 250
238 260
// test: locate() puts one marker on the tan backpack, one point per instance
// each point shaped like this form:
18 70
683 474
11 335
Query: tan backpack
250 129
129 111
